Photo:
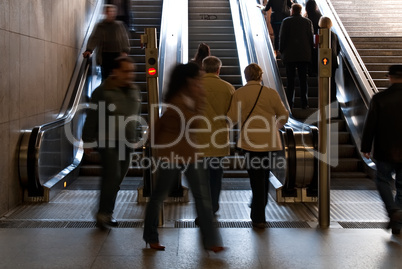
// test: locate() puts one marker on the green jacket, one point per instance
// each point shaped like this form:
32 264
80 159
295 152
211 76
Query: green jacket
113 114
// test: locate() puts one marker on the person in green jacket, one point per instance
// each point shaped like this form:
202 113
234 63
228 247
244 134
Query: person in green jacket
111 127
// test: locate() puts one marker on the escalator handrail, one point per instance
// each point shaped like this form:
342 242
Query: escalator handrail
66 114
173 43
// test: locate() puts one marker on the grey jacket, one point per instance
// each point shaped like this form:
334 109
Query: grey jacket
108 37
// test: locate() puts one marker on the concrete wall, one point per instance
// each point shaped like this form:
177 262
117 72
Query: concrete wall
39 44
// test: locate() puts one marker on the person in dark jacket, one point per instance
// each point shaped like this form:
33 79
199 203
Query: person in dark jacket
111 127
295 46
382 127
279 11
314 14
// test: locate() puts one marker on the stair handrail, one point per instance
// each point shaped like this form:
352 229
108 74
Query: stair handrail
355 113
366 83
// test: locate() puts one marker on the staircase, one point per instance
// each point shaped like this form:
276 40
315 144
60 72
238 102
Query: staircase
375 27
145 14
211 22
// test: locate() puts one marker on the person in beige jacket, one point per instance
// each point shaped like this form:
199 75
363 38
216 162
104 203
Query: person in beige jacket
259 113
214 138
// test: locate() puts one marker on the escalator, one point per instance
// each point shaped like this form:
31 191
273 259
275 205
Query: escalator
299 139
224 48
225 27
211 22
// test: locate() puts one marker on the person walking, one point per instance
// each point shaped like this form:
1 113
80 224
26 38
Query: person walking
214 140
111 127
123 10
111 40
261 113
295 45
381 129
174 139
279 11
313 14
202 52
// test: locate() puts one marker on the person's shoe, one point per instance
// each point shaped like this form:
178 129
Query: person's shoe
395 222
216 249
260 225
103 221
112 222
305 107
156 246
197 222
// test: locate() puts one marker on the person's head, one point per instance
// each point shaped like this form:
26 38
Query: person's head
123 71
296 9
183 79
311 6
110 12
395 73
202 52
212 64
253 72
325 22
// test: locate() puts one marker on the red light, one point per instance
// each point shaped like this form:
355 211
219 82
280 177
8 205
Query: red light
152 71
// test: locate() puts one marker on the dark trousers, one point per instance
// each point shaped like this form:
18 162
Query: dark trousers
107 63
113 173
196 178
302 68
258 172
384 182
276 27
215 180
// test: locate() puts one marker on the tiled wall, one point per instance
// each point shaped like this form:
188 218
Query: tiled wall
39 45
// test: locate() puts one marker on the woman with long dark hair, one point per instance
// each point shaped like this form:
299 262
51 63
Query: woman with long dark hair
175 142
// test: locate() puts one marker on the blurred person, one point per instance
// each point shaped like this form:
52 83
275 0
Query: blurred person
262 114
215 131
202 52
295 45
382 130
279 11
174 138
111 40
326 22
314 14
113 126
123 10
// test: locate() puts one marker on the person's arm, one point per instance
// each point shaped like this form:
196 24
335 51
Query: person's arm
282 114
232 115
93 42
125 41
